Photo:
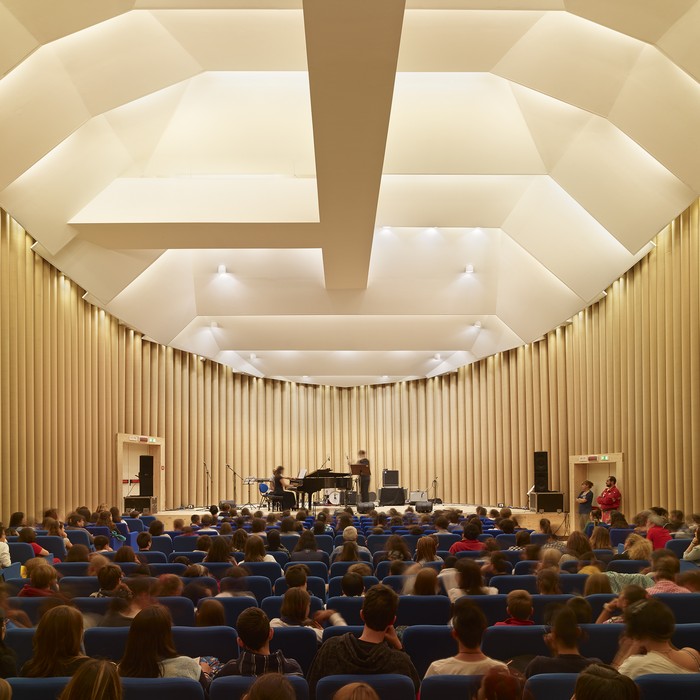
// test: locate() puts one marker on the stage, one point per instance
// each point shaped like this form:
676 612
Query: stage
526 518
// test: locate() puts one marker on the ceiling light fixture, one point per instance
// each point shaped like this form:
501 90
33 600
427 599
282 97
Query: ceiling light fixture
432 230
437 356
221 269
469 269
385 377
252 356
477 324
214 324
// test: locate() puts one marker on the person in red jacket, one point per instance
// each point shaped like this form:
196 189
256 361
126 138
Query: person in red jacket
610 498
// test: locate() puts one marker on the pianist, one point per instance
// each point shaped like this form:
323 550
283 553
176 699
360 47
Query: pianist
280 488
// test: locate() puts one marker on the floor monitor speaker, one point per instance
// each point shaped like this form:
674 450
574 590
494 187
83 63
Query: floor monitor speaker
145 504
552 502
424 507
365 507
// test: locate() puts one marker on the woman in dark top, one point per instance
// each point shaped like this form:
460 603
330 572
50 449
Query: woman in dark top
56 644
397 549
274 543
279 488
306 549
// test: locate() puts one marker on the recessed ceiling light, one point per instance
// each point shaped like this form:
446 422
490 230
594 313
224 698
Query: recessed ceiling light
386 229
385 377
214 324
252 356
432 230
477 324
221 269
437 356
305 376
469 269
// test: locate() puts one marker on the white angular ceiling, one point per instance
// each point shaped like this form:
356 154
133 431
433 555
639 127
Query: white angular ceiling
297 189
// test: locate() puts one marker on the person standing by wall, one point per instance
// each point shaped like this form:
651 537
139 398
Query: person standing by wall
610 499
585 504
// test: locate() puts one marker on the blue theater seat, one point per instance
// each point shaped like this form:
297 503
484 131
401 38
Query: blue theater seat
504 643
316 568
234 606
37 688
335 585
448 687
423 610
551 686
235 687
171 688
386 685
20 641
272 605
661 685
315 585
298 643
428 643
349 608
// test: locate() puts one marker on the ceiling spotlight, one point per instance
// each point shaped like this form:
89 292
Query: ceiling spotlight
305 377
214 324
386 229
437 356
385 377
469 269
252 356
477 324
432 230
221 269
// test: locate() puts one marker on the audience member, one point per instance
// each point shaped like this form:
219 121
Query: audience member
636 547
469 542
657 534
352 585
563 643
519 609
548 582
28 535
582 609
646 646
210 613
613 610
96 679
254 550
56 644
469 581
426 550
42 582
468 626
601 681
271 686
306 548
692 552
356 691
295 611
377 650
597 583
254 635
665 571
8 658
219 550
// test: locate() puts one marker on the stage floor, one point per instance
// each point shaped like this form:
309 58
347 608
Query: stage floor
526 518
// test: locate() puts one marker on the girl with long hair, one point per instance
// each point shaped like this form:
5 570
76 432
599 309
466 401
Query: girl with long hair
150 651
96 679
255 550
56 644
306 549
220 550
426 549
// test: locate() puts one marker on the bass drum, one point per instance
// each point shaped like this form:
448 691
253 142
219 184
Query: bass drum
334 498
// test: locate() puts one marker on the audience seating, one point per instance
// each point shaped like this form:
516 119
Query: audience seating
504 643
601 641
259 586
525 567
658 685
335 585
218 569
540 604
315 585
570 567
289 541
505 540
235 687
78 586
445 687
53 544
423 610
206 581
32 606
20 552
148 520
105 642
316 568
273 604
382 569
395 582
340 568
324 543
269 569
687 635
619 535
678 546
349 608
92 606
506 584
386 685
298 643
234 606
172 688
280 557
627 566
184 543
153 557
158 569
181 609
428 643
604 555
573 583
446 541
37 688
71 568
20 641
469 554
79 537
685 606
376 543
15 585
597 601
134 524
193 557
551 686
539 538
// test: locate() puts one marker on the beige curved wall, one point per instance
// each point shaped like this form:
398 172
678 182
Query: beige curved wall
624 377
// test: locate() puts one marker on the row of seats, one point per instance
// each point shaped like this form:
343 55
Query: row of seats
554 686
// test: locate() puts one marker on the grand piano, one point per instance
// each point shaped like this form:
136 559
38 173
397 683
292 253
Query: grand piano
317 481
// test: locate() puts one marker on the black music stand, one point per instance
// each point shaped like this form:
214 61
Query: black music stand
358 470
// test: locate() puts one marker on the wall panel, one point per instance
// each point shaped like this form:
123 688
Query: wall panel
623 376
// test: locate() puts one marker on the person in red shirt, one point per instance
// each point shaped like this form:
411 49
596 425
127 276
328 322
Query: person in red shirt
519 607
469 542
657 534
610 498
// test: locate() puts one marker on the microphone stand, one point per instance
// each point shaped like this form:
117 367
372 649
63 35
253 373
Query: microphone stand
207 484
435 480
230 468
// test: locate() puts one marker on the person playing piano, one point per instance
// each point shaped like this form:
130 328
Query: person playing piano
279 488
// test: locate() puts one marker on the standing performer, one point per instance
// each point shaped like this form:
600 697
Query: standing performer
610 499
279 488
585 504
365 475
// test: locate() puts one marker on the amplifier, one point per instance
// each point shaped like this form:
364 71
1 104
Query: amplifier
415 496
552 502
394 496
148 505
390 477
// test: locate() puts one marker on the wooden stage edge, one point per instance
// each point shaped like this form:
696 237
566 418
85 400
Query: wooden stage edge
561 522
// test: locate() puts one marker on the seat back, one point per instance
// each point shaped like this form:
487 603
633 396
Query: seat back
269 569
670 685
315 585
601 641
92 606
263 488
134 524
493 606
272 605
184 543
325 543
525 567
37 688
158 568
423 610
376 543
162 543
505 540
628 566
395 582
678 546
53 544
171 688
541 603
442 687
20 552
298 643
234 606
349 608
259 586
428 643
573 583
71 568
597 601
280 557
79 537
181 609
316 568
20 641
34 607
386 685
504 643
506 584
335 585
619 535
78 586
153 557
685 606
551 686
235 687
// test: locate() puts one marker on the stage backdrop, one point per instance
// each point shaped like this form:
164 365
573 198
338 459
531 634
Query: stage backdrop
623 377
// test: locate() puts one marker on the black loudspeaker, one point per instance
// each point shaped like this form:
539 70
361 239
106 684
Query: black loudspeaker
390 477
552 502
348 498
541 472
424 507
394 496
365 508
145 475
231 503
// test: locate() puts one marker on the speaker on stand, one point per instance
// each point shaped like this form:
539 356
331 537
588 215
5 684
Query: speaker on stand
145 475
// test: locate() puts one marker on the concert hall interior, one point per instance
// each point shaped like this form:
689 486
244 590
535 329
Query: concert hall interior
450 234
